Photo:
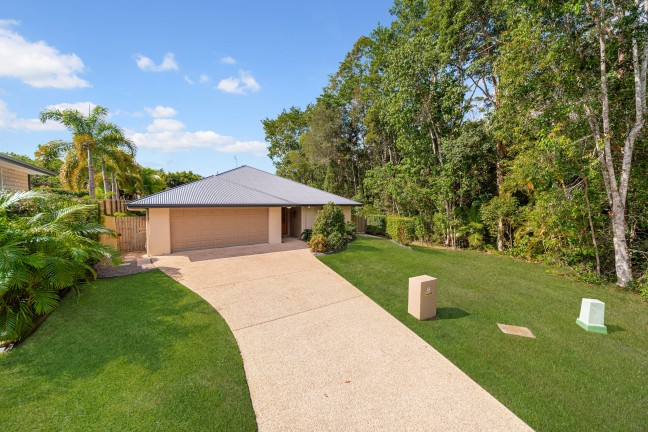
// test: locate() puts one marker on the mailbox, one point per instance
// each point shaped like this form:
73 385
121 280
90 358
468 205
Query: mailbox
422 297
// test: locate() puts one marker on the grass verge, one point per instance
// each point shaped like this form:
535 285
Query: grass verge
139 352
565 379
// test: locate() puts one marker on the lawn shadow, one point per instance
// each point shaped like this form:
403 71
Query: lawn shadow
450 313
139 317
364 248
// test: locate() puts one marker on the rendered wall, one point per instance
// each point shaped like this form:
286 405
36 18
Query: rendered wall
158 231
274 225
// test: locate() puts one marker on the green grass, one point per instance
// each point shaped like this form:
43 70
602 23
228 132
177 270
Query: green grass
137 353
566 379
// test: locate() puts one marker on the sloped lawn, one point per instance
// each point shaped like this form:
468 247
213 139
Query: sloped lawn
138 353
566 379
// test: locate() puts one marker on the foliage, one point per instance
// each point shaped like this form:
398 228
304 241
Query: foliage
336 241
350 230
45 248
175 179
376 224
319 243
93 139
306 234
401 229
329 219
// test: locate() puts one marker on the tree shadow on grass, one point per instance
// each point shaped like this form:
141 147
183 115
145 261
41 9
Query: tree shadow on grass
450 313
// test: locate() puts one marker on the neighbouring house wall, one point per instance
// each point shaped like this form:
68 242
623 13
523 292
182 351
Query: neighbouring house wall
13 179
158 231
274 225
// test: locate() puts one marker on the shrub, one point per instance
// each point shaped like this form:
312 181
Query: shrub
306 234
350 230
329 220
336 242
44 250
401 229
318 243
376 224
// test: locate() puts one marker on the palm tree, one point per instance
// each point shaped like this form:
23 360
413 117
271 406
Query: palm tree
45 248
90 134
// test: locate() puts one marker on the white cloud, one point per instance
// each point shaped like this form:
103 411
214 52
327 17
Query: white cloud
228 60
169 135
10 121
188 80
36 63
148 65
204 79
82 107
161 112
163 125
243 84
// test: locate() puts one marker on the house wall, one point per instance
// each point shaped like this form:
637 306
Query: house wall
347 213
13 179
295 222
158 231
308 216
274 225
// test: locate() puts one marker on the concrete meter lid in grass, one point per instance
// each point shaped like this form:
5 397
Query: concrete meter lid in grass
592 316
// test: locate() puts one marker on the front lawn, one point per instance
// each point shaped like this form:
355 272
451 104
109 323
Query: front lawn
140 352
566 379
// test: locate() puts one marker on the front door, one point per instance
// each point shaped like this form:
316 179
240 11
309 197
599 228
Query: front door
284 221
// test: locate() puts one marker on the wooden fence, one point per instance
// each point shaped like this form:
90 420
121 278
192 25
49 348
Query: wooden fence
361 224
131 233
112 206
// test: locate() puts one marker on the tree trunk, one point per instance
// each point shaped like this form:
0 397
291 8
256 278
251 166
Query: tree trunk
103 176
621 254
499 178
91 180
591 224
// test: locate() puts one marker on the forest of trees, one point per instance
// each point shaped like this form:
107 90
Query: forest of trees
516 126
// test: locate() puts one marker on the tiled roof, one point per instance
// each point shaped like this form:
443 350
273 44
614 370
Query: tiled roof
241 187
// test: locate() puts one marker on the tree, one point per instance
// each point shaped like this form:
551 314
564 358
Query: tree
45 248
174 179
91 133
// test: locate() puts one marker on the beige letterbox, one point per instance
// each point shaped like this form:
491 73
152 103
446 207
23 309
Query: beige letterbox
422 297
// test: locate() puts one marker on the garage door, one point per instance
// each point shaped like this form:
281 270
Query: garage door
202 228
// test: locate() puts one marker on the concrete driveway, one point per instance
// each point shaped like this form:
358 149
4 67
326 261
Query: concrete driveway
320 355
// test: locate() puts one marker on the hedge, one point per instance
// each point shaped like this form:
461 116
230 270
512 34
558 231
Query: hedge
401 229
375 224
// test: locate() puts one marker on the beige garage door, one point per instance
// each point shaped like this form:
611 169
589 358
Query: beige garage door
202 228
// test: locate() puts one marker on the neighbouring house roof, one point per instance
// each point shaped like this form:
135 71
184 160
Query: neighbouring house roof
241 187
23 166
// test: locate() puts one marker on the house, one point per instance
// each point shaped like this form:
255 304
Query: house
237 207
15 174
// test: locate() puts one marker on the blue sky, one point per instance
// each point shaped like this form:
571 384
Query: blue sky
190 82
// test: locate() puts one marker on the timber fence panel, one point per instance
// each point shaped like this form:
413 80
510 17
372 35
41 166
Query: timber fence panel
361 224
132 233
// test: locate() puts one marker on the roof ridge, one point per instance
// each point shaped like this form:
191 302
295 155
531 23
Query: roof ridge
301 184
256 190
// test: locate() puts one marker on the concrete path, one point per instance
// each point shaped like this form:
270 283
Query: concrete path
320 355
